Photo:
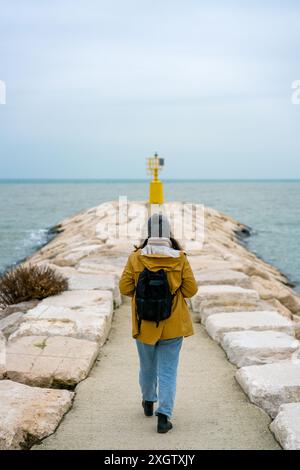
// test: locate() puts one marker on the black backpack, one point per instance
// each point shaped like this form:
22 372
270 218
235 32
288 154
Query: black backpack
153 297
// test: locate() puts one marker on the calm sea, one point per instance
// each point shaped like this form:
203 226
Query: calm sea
271 208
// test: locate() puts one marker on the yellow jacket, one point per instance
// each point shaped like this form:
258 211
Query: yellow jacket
182 283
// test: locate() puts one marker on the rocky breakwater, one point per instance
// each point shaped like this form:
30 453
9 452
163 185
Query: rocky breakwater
250 309
245 304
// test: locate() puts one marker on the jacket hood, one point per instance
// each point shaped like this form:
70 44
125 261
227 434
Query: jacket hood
157 261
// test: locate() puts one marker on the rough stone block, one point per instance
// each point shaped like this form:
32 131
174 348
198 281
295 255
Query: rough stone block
92 323
10 323
49 361
97 281
92 281
271 385
220 323
214 298
223 277
29 413
78 314
102 265
246 348
78 298
286 426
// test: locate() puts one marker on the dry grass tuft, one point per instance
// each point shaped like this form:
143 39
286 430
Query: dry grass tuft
31 282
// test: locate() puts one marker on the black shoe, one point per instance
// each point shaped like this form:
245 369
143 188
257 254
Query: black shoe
148 407
163 423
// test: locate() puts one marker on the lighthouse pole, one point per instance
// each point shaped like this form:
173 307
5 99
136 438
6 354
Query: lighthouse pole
156 190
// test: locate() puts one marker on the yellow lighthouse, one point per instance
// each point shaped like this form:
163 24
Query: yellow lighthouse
156 192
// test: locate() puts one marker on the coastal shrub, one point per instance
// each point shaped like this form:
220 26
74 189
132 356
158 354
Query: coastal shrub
30 282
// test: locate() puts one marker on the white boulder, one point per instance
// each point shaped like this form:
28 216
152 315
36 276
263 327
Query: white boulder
10 323
220 323
215 298
91 323
96 281
29 413
286 426
223 277
271 385
102 265
78 314
246 348
43 361
260 306
78 298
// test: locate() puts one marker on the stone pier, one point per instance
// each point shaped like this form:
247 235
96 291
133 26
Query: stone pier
58 350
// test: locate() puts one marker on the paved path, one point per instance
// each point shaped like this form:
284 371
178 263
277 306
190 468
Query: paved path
211 411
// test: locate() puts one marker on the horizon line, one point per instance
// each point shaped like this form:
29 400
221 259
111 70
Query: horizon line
4 180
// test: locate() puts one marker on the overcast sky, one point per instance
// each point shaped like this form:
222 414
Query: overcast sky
94 87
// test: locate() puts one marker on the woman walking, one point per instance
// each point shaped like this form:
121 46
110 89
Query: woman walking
158 277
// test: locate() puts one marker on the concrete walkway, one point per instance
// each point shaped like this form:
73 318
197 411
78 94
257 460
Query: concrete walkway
211 411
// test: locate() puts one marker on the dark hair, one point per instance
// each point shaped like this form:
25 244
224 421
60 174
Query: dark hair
175 244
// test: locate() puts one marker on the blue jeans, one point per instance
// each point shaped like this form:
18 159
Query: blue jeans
158 364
